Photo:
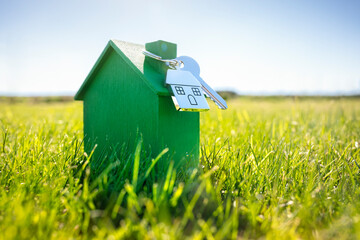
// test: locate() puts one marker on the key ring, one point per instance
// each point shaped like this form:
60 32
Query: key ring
172 63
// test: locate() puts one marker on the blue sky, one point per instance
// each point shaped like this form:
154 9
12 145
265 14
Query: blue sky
48 47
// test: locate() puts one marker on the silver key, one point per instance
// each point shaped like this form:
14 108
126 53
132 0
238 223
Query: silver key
186 90
189 64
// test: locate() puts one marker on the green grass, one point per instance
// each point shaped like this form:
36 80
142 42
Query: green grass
274 168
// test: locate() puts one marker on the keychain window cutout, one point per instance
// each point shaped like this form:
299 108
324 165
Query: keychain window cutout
179 90
196 91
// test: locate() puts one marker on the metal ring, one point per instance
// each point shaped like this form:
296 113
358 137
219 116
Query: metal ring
172 63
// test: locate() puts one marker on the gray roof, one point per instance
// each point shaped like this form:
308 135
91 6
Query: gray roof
133 51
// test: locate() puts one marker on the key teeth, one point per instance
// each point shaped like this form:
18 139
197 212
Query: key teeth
216 103
212 99
219 106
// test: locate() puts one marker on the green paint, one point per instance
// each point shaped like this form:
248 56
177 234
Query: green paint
124 96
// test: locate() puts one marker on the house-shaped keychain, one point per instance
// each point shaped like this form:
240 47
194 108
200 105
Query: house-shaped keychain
187 93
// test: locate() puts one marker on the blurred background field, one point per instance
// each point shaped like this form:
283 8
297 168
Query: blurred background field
272 167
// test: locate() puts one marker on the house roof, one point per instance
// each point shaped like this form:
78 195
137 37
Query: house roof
132 55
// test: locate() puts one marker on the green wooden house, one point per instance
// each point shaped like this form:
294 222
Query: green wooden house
125 96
